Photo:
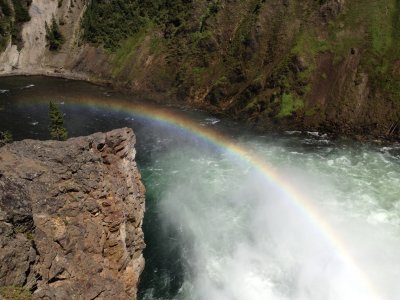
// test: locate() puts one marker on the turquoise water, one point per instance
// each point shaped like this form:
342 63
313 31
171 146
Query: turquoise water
216 228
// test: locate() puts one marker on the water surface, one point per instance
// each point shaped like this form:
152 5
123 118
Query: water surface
217 228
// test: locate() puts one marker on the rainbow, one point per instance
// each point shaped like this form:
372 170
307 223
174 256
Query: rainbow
181 122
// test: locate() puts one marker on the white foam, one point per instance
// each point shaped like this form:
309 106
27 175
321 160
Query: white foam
247 240
28 86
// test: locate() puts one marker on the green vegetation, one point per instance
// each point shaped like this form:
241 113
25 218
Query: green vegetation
5 23
21 10
21 15
53 35
127 49
212 10
15 293
289 105
187 46
372 27
109 23
11 20
57 129
5 8
5 137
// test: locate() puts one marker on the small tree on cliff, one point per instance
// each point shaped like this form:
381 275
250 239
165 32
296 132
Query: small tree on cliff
57 129
5 137
53 35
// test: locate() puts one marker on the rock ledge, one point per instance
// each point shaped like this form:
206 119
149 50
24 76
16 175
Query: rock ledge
70 217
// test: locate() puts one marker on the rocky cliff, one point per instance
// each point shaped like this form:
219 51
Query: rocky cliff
70 218
31 54
329 65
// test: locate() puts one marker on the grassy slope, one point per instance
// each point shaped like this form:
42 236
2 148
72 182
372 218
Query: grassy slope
290 63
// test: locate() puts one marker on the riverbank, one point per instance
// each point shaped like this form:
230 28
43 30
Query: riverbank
336 77
334 132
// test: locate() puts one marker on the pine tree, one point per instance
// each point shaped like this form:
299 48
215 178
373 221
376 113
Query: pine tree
53 35
5 137
57 129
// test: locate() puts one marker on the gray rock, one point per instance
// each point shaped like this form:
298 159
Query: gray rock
70 217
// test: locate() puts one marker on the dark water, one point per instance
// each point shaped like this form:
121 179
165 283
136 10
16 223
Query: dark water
23 111
216 228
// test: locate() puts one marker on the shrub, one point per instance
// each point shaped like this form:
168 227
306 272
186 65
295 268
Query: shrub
15 293
53 36
5 137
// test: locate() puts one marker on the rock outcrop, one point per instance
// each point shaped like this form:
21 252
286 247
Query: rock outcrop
70 217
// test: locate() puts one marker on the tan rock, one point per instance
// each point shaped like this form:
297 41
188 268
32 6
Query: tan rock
70 217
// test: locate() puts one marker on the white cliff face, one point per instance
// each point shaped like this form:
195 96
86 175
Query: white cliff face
33 53
34 57
9 59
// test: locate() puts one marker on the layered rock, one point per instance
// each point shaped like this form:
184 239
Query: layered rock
70 217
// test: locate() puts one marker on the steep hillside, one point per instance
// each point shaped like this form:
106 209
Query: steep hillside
312 64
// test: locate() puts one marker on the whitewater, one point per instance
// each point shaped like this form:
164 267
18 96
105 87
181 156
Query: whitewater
217 226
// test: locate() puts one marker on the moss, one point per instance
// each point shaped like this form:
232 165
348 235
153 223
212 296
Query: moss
372 27
125 53
199 37
310 112
382 25
156 45
252 104
30 236
201 48
376 17
198 73
307 89
309 45
289 105
15 293
222 80
212 9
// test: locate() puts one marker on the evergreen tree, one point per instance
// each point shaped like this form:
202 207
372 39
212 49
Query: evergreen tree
53 35
57 129
5 137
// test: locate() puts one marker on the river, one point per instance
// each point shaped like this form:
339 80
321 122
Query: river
231 214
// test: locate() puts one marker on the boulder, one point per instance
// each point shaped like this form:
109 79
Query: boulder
70 217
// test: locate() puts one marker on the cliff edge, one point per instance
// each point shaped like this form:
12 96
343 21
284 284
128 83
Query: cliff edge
70 218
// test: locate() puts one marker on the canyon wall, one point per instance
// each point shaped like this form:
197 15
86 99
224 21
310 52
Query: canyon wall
70 218
330 65
33 56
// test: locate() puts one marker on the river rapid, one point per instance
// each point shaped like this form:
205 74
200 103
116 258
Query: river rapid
217 225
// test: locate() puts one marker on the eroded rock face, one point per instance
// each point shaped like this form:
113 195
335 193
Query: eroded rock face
70 217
